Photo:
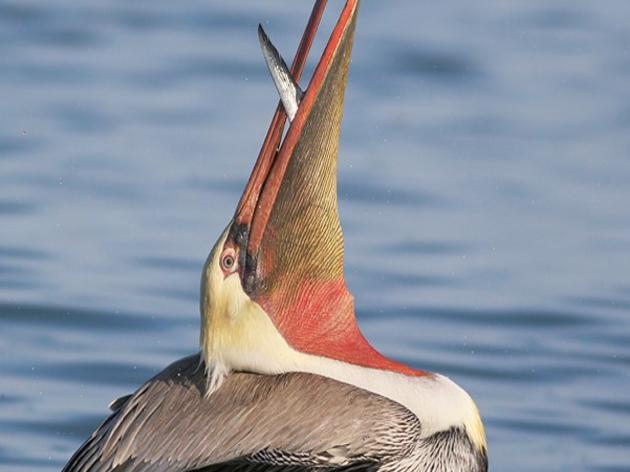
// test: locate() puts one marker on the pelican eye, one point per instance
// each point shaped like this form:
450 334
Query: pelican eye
228 260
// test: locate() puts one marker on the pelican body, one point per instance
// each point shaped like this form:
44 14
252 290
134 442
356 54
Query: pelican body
284 380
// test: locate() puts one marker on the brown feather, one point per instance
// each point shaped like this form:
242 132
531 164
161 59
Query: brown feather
169 424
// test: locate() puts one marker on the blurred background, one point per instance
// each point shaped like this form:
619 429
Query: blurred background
484 185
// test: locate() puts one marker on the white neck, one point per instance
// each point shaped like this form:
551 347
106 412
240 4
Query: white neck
438 402
237 334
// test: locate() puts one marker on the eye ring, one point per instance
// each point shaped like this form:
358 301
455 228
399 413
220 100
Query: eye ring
228 260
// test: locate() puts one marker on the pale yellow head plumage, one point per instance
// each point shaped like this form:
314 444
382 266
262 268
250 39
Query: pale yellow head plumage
236 333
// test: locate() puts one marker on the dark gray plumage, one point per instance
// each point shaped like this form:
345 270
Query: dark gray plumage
289 422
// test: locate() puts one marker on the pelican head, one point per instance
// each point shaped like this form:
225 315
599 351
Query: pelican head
275 277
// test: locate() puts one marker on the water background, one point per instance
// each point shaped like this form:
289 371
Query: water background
485 196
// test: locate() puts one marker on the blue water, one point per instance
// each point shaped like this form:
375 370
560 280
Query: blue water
485 196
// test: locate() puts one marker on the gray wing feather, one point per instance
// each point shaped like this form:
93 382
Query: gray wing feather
119 402
289 422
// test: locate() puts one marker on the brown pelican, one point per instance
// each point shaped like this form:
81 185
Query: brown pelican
284 380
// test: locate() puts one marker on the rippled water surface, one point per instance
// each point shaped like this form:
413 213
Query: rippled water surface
485 195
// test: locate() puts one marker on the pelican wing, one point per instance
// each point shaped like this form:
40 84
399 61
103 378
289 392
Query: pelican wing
289 422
